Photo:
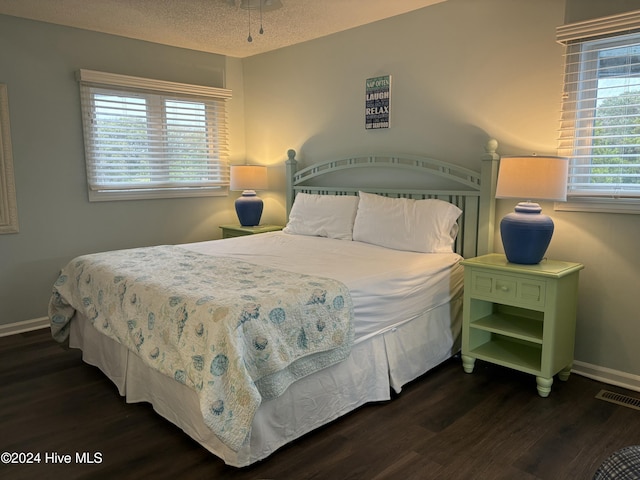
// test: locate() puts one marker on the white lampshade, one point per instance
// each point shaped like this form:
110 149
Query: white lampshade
248 177
533 178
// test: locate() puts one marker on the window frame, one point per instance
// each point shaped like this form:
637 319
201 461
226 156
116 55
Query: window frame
93 83
8 205
605 31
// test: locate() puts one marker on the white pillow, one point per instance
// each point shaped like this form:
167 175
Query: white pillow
427 226
329 216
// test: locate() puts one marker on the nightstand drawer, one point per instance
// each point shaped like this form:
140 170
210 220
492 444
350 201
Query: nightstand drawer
231 231
234 233
517 290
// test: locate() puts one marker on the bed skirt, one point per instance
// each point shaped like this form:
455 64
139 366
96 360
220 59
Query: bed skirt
377 363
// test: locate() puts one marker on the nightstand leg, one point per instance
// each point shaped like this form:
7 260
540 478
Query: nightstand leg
544 386
468 363
564 373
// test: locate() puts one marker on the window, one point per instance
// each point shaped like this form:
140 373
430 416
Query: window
600 125
152 139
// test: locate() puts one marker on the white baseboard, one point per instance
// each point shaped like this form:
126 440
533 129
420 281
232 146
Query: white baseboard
607 375
25 326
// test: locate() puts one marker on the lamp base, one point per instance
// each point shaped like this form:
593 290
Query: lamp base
526 234
249 208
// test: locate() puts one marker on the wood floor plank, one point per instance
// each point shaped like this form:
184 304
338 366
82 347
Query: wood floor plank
447 424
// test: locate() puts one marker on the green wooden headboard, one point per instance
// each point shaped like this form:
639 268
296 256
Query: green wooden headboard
471 191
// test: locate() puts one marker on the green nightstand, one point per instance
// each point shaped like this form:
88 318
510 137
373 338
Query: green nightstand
230 231
520 316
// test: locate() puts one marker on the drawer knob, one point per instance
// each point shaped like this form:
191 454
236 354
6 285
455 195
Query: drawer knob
504 288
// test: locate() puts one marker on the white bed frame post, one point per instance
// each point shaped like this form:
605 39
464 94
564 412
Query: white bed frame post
292 167
488 181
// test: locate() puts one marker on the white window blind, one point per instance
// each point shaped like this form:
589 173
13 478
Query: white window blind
148 138
600 123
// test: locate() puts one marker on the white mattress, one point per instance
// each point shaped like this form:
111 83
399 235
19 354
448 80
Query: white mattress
387 286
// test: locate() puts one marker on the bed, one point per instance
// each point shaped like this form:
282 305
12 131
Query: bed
373 300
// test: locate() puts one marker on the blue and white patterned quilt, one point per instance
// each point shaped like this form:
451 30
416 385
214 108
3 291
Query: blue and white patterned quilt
234 332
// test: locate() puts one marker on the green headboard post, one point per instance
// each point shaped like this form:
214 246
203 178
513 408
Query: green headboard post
292 167
488 181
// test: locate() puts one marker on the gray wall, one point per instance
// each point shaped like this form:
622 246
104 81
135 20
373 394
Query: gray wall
463 71
38 62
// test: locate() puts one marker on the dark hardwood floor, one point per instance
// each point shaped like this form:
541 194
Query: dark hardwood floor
445 425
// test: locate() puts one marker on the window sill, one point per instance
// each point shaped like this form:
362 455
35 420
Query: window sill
115 195
600 205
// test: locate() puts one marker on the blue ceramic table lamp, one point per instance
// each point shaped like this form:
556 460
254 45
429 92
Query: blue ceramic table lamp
526 233
249 178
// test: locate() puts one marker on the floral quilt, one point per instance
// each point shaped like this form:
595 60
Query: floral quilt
234 332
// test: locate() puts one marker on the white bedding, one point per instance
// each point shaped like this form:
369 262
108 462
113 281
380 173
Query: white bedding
407 320
387 286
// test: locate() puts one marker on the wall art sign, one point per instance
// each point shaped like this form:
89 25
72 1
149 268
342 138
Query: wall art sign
378 102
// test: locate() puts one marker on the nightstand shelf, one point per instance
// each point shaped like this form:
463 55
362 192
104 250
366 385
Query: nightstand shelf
508 352
520 316
230 231
512 325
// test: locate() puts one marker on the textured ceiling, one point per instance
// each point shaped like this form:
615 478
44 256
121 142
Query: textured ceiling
217 26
